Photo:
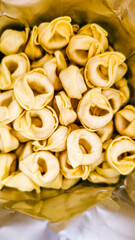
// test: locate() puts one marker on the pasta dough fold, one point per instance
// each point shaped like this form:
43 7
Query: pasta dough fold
56 34
41 167
12 41
81 48
9 107
125 121
11 68
63 107
37 124
33 49
34 90
7 165
106 132
120 155
73 82
94 110
55 143
104 69
69 172
8 142
83 147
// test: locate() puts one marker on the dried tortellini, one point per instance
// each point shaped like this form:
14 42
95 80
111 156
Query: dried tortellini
94 110
105 69
63 117
34 90
12 41
125 121
12 67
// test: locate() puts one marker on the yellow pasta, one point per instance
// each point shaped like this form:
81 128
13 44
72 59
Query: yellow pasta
33 49
8 142
63 107
34 90
41 167
73 82
83 147
105 69
36 124
7 165
69 172
56 34
12 41
94 110
9 107
106 132
13 67
120 155
125 121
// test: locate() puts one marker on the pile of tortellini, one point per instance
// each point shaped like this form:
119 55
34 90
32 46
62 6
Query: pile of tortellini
63 112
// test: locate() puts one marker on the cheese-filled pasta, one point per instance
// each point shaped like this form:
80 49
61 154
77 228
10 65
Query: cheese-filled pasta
7 165
94 110
9 107
53 67
37 124
21 182
12 41
120 155
104 174
41 167
125 121
97 32
81 48
83 147
73 82
34 90
106 132
63 107
114 97
33 49
81 171
56 142
122 86
8 142
13 67
104 69
56 34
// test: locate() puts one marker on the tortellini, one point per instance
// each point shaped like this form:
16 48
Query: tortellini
120 155
105 69
81 48
36 124
56 34
106 132
73 82
21 182
33 49
12 41
125 121
97 32
83 147
94 110
63 107
33 90
8 142
41 167
7 165
11 68
69 172
9 107
57 142
62 90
